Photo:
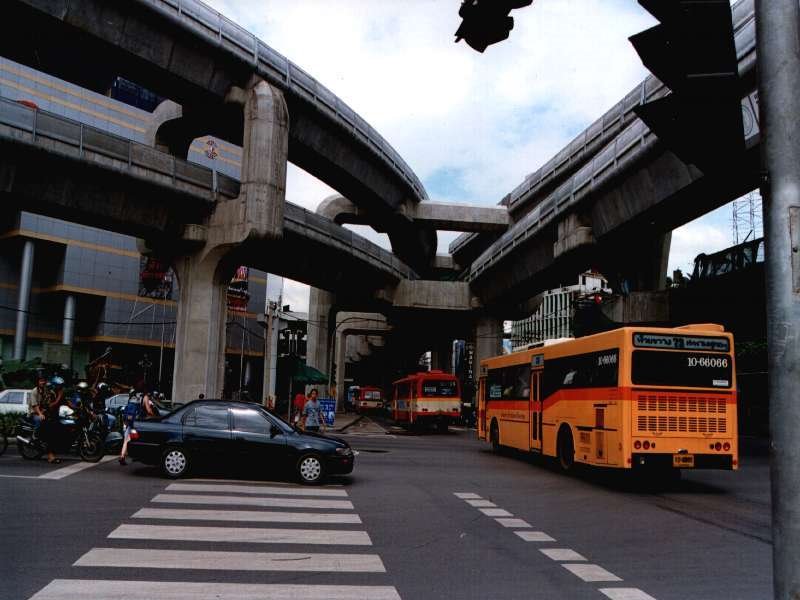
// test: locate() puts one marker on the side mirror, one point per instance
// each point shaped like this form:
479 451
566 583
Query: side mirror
274 430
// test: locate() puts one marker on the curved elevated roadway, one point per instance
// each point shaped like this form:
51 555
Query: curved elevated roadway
193 55
620 180
63 168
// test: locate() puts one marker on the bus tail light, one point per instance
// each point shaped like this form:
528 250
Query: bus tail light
637 444
726 446
646 445
718 446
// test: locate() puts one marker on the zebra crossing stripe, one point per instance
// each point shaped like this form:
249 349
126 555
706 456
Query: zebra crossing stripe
255 516
252 535
255 489
254 501
92 589
230 561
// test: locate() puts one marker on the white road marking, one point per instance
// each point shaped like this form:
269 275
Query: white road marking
253 535
534 536
254 501
561 554
74 468
229 561
256 482
590 572
626 594
518 523
495 512
21 476
256 516
254 489
481 503
467 495
88 589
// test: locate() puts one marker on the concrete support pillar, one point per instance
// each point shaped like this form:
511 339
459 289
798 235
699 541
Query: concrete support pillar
68 330
256 214
442 357
23 300
200 330
318 350
488 339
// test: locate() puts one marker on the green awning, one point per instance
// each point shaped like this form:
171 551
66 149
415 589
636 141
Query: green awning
308 375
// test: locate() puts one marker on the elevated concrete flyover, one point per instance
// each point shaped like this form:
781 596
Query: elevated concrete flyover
59 167
184 51
613 210
601 138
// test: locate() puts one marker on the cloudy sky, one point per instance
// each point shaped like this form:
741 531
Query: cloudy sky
471 125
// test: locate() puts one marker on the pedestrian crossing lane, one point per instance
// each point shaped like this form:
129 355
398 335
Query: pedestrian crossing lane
318 525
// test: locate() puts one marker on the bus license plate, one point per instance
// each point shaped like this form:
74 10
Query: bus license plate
683 461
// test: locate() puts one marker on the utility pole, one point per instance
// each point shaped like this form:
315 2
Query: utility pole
778 28
271 307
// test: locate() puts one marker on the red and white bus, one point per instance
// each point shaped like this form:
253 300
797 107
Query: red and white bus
432 397
367 398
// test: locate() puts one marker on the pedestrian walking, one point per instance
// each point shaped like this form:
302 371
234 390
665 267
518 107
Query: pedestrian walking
298 405
312 414
135 409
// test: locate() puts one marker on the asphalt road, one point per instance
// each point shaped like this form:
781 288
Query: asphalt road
421 517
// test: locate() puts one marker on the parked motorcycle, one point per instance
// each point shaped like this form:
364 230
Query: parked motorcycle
81 432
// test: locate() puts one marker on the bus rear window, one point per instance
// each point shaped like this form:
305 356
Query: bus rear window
681 369
438 387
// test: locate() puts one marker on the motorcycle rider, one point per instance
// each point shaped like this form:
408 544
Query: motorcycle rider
39 400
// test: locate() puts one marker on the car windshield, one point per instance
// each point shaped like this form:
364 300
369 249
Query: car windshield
276 419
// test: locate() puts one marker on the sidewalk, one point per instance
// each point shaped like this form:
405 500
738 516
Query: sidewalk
345 420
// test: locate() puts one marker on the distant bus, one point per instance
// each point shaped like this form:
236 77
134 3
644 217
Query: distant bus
633 397
367 398
431 397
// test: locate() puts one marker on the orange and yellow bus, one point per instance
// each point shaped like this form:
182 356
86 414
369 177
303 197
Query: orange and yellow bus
628 398
432 397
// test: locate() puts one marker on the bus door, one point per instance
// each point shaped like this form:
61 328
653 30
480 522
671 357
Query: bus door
535 403
480 406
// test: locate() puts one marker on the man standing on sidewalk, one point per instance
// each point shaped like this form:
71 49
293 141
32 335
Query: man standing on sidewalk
312 414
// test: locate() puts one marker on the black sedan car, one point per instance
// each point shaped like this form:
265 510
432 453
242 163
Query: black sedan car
236 434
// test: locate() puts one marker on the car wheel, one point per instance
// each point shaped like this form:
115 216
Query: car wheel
310 469
174 462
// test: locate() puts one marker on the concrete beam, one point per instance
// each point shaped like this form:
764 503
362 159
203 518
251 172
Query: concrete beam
460 217
434 295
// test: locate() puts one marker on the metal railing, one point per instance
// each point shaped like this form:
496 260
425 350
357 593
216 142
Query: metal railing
43 125
218 30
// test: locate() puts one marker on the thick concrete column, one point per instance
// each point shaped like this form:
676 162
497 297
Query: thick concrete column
200 330
255 215
488 339
318 350
442 357
23 300
68 330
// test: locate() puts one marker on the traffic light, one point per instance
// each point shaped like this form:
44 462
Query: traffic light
486 22
692 51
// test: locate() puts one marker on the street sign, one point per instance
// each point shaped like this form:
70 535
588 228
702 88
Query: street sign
328 408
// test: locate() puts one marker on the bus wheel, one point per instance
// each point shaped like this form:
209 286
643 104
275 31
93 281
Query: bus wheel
494 437
566 449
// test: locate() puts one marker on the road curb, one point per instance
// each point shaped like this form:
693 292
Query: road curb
351 423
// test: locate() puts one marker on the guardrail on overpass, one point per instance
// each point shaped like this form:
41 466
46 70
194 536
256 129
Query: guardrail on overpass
204 184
